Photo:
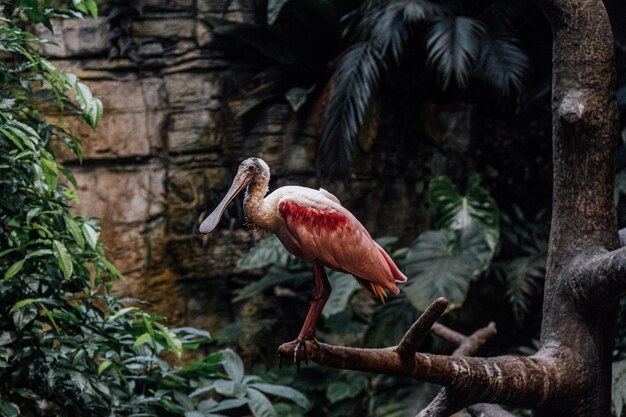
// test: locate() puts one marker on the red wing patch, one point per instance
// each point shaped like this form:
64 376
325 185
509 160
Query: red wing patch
312 217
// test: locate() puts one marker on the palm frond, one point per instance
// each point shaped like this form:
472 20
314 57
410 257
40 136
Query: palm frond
453 44
387 24
355 81
523 277
389 32
502 63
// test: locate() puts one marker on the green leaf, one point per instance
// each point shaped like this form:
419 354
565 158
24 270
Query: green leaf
442 263
283 392
38 253
90 106
92 7
23 303
141 339
14 269
91 236
232 365
64 260
172 340
103 366
273 10
343 287
455 211
80 5
75 230
50 172
121 312
113 270
13 138
259 404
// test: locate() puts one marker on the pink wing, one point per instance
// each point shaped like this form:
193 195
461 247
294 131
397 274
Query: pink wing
325 232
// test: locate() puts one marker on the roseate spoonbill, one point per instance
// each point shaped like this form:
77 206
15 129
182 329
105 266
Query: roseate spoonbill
312 225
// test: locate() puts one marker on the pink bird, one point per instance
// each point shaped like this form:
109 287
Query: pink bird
314 226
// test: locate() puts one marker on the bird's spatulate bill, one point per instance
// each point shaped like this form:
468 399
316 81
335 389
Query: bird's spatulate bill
211 222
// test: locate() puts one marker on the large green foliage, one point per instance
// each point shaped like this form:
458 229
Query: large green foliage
67 346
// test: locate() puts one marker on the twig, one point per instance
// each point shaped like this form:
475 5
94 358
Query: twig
420 329
448 334
445 403
471 344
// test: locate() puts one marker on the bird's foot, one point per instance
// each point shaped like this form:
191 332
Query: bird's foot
300 347
299 351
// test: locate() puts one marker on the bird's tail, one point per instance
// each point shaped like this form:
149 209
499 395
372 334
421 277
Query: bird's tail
398 276
378 290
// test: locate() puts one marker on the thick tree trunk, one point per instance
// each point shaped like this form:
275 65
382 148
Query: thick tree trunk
578 324
586 272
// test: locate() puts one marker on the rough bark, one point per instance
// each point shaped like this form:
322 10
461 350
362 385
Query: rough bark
571 373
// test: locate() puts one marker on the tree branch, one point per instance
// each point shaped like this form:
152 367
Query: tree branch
600 277
448 334
523 381
421 328
471 344
448 402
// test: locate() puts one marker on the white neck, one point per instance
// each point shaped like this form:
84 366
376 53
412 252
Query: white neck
256 208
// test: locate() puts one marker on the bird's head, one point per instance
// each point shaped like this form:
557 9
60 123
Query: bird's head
249 170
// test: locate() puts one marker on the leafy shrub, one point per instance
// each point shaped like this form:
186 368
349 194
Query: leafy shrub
67 346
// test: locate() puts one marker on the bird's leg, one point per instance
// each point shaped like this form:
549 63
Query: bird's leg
320 296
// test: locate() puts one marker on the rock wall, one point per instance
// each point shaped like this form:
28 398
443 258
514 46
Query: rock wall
167 148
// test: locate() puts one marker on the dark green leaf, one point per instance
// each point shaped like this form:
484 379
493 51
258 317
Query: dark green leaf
456 212
343 287
273 277
442 263
268 251
8 409
340 390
